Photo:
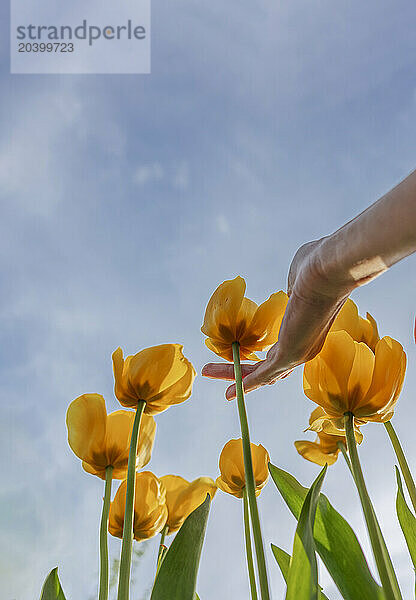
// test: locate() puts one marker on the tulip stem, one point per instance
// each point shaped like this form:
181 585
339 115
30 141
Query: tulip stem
126 547
103 593
249 552
343 449
161 545
404 466
250 484
381 555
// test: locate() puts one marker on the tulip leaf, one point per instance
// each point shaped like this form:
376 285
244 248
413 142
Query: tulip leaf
283 560
407 519
302 579
336 542
178 572
52 588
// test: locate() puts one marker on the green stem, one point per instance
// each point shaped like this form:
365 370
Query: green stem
343 449
125 558
162 551
404 466
103 593
381 555
250 484
249 553
161 545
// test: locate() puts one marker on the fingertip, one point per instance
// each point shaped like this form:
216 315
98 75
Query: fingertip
204 371
230 393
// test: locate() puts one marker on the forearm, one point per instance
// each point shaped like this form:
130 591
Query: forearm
325 272
322 276
372 242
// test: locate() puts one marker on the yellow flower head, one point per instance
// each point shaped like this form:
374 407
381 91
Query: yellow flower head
150 510
325 449
359 328
230 317
101 440
183 497
232 478
160 375
346 376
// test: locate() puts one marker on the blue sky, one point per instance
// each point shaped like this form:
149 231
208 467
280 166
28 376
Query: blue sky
127 199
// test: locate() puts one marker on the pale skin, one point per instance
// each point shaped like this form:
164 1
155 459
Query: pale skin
322 275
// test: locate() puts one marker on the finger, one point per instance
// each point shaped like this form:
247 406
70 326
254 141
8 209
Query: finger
263 374
225 370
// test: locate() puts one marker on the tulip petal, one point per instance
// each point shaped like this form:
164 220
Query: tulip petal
369 331
150 511
361 375
183 497
267 320
221 313
313 452
245 316
175 394
387 381
174 485
338 354
232 470
94 469
147 434
247 354
123 391
117 442
86 419
317 413
231 463
155 369
321 386
347 320
117 508
261 459
220 349
236 491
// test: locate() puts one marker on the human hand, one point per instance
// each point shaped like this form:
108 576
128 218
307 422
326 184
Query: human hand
309 314
264 372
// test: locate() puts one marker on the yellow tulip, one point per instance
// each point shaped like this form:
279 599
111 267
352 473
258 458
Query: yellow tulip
230 317
346 376
102 440
325 449
150 510
183 497
359 328
160 376
232 478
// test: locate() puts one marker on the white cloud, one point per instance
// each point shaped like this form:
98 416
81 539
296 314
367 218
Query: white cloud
181 177
222 224
150 173
32 159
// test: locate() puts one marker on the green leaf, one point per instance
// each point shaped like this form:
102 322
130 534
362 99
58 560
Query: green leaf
177 576
335 541
283 560
52 588
407 519
302 579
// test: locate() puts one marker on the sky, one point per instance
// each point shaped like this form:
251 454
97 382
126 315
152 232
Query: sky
126 200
